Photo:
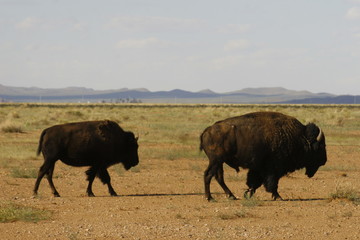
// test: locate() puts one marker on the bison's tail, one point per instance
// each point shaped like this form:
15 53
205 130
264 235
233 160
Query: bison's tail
201 142
40 142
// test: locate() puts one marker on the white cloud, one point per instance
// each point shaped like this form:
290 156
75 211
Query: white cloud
129 23
236 45
222 63
28 23
353 13
50 24
139 43
6 46
79 27
234 28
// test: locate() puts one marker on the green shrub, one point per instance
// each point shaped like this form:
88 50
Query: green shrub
251 202
346 193
10 212
24 173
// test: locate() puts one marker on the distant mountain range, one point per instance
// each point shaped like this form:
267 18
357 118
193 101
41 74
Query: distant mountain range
247 95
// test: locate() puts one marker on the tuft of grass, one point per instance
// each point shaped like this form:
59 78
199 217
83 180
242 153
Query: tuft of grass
251 202
10 212
74 113
24 173
15 115
232 216
346 193
11 128
179 216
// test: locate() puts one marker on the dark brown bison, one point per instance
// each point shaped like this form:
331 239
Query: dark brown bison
269 144
98 144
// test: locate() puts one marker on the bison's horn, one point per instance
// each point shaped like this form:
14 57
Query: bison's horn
320 136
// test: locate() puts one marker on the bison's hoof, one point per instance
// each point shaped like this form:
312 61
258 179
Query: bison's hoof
210 199
232 197
34 196
249 193
114 194
276 196
56 194
91 194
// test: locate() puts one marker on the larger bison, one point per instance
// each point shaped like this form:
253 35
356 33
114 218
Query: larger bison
98 144
269 144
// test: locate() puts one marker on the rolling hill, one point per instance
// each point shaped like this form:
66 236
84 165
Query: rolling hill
247 95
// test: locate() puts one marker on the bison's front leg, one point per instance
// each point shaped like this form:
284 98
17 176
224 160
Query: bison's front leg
271 185
105 178
253 181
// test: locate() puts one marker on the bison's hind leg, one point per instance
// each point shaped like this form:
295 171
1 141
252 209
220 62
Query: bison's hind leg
220 179
91 174
216 169
208 175
48 169
49 178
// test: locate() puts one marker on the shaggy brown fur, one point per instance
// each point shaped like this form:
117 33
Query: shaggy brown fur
269 144
98 144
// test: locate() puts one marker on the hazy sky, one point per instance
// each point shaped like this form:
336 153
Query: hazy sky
222 45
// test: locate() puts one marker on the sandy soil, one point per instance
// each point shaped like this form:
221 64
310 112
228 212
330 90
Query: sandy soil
164 200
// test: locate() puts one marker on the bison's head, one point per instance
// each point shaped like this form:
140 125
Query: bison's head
131 157
317 149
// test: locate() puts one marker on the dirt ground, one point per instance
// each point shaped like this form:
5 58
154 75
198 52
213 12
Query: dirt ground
164 199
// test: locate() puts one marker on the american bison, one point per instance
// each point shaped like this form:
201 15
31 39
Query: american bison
98 144
269 144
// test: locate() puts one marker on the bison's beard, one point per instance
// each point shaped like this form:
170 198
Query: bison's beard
310 172
128 165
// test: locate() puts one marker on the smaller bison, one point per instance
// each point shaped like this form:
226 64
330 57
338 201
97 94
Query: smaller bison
269 144
98 144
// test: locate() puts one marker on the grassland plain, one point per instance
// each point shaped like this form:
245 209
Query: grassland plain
162 198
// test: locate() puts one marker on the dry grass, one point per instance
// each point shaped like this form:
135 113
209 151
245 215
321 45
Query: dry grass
163 197
11 127
166 131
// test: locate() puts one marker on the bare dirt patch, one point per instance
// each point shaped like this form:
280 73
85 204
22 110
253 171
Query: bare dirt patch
164 200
